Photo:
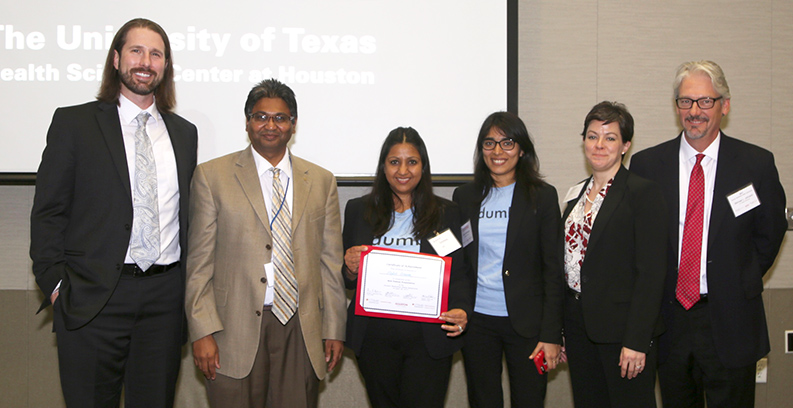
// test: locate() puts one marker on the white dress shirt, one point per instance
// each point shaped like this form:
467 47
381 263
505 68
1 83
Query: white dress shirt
688 157
266 180
167 180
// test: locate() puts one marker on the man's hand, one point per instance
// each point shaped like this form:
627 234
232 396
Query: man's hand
206 356
333 350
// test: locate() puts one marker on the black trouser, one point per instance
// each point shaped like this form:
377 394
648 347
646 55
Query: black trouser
135 341
398 370
693 371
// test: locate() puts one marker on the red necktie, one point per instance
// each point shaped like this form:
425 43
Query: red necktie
691 251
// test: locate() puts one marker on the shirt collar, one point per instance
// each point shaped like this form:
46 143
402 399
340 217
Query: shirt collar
689 153
263 166
128 111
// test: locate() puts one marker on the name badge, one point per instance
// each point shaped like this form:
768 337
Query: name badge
445 243
468 234
743 200
574 191
270 275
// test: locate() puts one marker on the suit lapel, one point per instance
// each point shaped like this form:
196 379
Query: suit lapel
248 176
110 125
302 189
519 201
725 167
472 211
668 170
610 203
571 203
181 151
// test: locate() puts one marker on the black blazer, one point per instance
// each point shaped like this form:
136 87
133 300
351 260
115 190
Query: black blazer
358 232
622 277
740 249
82 211
532 270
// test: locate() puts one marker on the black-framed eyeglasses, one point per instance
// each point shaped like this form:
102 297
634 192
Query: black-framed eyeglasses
261 118
703 103
506 144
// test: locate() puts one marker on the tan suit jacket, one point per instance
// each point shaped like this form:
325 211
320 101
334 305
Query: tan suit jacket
229 243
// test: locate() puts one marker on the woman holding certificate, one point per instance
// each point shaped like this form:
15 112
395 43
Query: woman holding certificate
515 253
405 363
615 265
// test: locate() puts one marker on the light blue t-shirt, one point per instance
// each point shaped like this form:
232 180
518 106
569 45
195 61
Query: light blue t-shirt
400 235
493 221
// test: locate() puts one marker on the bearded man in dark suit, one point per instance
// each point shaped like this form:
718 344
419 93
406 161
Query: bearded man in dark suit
109 228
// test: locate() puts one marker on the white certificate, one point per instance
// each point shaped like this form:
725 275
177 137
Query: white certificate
402 285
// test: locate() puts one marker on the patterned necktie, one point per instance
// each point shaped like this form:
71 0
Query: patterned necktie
145 238
687 291
285 299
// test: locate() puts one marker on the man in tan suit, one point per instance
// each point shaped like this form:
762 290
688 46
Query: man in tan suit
266 316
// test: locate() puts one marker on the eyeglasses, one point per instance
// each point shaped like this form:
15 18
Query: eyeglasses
506 144
261 118
703 103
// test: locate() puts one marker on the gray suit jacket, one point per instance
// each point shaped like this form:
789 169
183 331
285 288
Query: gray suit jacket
229 243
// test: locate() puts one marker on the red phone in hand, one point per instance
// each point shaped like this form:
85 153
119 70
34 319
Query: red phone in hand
539 361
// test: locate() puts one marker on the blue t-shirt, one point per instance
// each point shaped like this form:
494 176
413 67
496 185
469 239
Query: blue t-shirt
400 235
493 221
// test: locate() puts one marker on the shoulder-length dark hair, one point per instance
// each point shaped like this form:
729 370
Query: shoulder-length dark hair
164 95
527 172
379 208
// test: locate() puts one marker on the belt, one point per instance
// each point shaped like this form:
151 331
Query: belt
135 271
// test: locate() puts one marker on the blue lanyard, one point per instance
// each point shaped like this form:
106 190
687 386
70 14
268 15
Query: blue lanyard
283 200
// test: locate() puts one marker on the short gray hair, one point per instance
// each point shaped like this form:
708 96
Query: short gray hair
709 68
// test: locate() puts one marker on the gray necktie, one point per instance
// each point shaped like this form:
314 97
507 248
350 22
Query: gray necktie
145 239
285 299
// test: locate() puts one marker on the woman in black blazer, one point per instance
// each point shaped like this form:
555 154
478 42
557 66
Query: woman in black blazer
404 363
515 256
615 264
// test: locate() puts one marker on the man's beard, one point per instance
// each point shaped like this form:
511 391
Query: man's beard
128 79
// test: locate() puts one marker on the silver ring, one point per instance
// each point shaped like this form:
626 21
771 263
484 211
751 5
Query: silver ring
461 328
638 367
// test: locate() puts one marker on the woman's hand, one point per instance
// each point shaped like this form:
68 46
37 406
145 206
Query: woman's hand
631 363
456 321
352 258
552 353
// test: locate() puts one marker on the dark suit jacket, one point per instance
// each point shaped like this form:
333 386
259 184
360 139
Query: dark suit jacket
623 273
532 271
358 232
740 249
82 211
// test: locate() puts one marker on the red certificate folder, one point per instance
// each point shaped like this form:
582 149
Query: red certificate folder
396 300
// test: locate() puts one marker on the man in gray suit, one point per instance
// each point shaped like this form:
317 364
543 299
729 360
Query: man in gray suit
265 299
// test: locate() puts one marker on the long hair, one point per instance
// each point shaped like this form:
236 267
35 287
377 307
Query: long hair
164 94
379 204
527 171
